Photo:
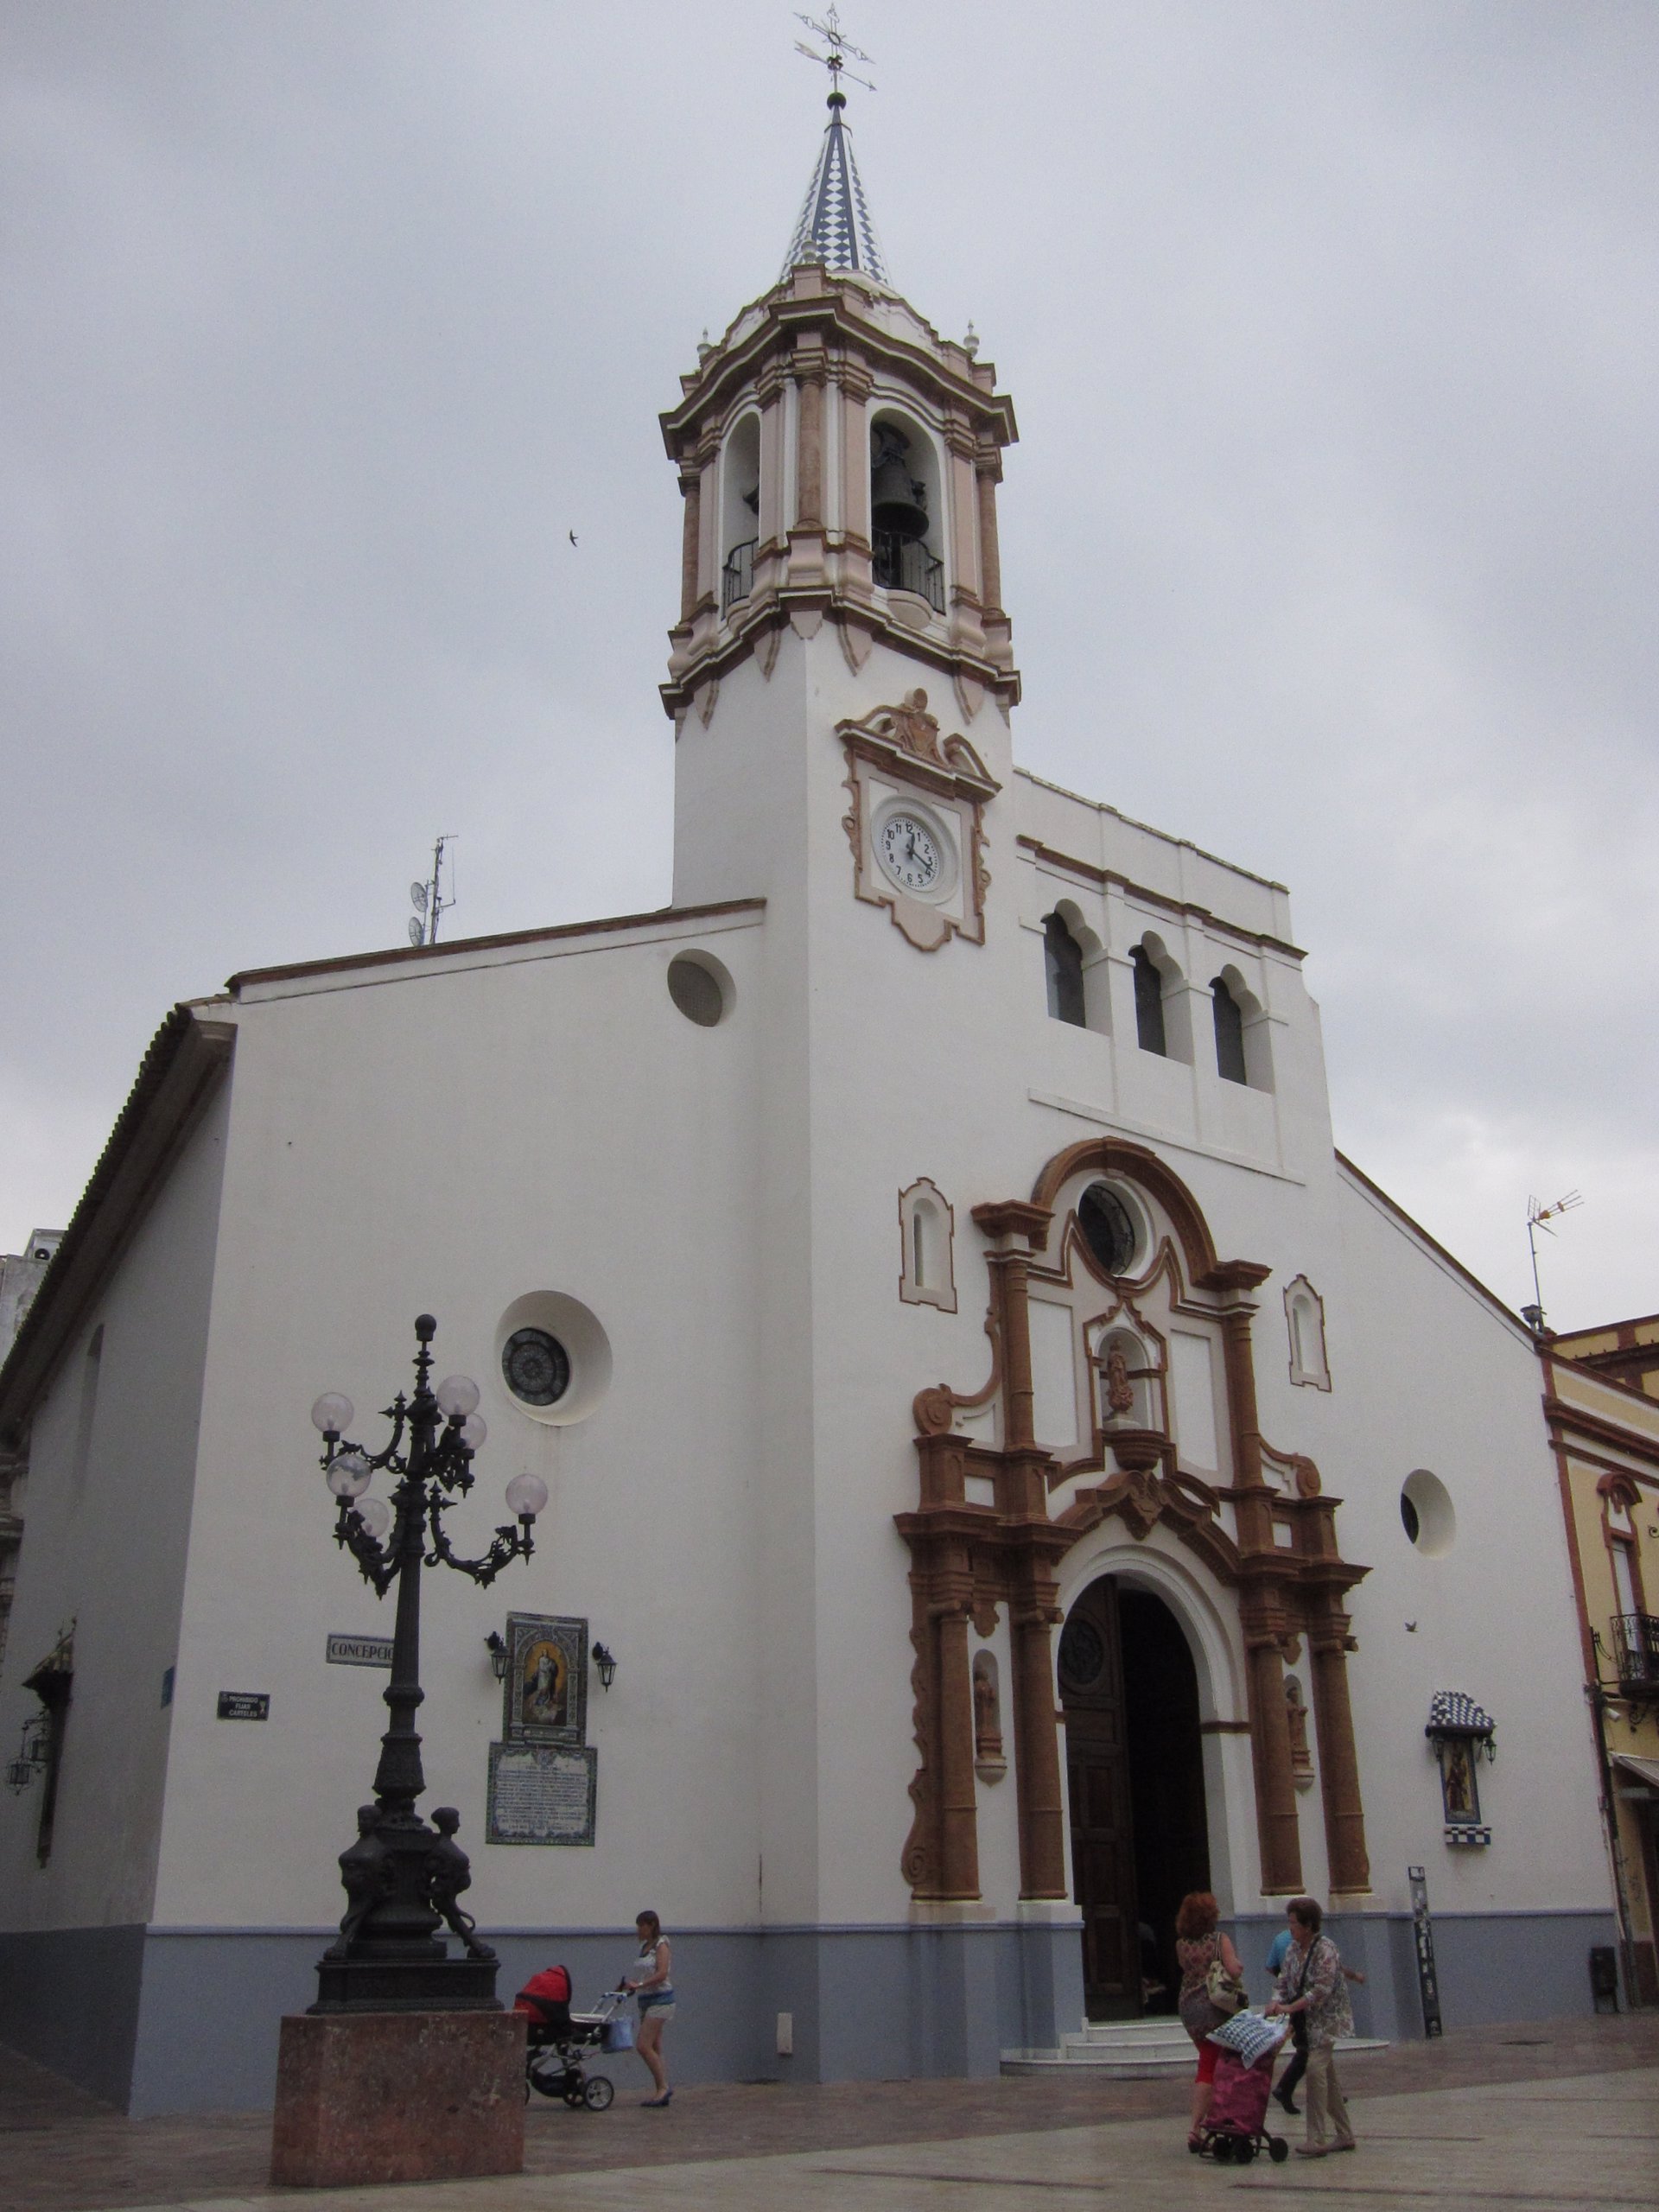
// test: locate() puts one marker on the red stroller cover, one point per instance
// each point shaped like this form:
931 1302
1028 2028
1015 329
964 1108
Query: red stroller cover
1239 2100
544 1992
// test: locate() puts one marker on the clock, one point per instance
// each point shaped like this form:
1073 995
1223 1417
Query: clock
909 852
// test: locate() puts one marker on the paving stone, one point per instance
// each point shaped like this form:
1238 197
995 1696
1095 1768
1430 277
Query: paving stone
1548 2117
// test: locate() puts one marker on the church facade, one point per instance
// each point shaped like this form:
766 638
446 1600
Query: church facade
1021 1469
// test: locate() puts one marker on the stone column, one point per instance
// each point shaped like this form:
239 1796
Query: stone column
1333 1719
690 542
958 1797
809 369
1277 1830
1032 1614
988 472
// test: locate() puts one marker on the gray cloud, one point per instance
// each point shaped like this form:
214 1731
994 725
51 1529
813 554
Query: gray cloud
1331 543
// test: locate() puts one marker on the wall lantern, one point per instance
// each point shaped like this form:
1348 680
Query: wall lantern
497 1651
606 1663
1460 1731
32 1753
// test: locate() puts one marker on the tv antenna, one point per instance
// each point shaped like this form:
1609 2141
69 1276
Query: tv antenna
1539 1217
835 60
427 898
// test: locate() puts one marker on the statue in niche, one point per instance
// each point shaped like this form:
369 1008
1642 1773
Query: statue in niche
989 1763
1120 1391
1301 1760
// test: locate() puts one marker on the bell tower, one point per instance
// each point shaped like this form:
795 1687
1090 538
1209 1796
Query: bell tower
839 462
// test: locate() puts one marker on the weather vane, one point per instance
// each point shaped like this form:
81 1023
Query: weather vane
835 60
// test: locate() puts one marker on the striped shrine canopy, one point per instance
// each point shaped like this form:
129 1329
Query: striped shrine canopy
1452 1713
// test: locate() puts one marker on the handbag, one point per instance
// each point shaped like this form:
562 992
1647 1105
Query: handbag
619 2034
1225 1992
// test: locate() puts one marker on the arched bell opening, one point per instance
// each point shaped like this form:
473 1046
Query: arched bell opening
906 525
740 528
1130 1700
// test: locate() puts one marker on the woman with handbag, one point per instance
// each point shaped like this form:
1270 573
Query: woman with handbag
1213 1990
1314 1990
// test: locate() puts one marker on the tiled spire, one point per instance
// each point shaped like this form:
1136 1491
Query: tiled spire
835 225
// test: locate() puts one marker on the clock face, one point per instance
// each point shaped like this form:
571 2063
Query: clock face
910 853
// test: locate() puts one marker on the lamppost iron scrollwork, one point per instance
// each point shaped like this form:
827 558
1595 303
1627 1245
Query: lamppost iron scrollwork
403 1879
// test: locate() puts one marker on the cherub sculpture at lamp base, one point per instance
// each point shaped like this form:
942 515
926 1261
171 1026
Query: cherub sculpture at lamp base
403 1879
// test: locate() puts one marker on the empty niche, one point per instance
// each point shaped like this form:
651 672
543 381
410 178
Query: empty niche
927 1234
1305 1319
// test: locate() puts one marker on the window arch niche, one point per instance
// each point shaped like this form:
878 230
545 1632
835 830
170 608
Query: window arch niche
927 1233
740 510
906 518
1160 1021
1074 970
1304 1320
1244 1050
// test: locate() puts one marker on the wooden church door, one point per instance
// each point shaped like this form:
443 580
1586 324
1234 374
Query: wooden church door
1097 1774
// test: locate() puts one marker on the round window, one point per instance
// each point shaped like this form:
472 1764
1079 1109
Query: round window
1426 1513
699 987
1108 1228
536 1366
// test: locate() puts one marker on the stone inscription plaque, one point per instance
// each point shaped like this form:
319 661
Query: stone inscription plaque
540 1793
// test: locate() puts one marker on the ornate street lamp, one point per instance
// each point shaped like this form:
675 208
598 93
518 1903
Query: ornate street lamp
403 1879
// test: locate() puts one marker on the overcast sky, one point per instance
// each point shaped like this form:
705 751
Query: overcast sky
1330 542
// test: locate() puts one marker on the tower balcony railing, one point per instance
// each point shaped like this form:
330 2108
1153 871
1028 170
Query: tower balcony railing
905 564
1635 1647
737 577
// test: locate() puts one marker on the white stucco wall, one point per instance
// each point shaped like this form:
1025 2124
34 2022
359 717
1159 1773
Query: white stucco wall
103 1548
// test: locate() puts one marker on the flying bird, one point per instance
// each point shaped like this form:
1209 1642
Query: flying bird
1411 1628
573 538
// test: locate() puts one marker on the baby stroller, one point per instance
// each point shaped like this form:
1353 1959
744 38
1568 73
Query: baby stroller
1233 2131
557 2040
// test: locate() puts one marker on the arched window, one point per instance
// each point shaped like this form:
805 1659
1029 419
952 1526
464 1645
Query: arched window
1148 1003
1230 1033
1305 1318
739 521
927 1270
1062 965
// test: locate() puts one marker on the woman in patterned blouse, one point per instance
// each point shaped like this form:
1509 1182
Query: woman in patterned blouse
1311 1984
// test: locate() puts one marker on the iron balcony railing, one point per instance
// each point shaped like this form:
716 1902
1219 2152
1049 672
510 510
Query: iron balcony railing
905 564
1635 1647
737 577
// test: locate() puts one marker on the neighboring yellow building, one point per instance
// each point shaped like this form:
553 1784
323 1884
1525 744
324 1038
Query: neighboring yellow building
1601 1400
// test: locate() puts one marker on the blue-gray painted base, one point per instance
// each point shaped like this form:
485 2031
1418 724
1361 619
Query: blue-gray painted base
178 2021
1497 1966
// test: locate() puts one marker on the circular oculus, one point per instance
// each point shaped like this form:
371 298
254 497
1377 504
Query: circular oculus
1108 1228
535 1367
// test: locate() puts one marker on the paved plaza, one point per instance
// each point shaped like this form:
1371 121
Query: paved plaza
1554 2117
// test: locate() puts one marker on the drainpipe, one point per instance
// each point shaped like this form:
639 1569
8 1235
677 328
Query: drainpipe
1598 1698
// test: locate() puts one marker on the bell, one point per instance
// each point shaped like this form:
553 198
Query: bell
897 499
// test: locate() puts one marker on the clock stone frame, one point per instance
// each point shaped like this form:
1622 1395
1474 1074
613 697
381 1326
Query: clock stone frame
896 754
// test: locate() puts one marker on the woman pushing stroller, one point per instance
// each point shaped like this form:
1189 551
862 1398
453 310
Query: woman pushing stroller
649 1979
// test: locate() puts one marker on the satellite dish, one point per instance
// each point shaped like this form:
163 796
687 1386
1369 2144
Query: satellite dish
417 932
417 897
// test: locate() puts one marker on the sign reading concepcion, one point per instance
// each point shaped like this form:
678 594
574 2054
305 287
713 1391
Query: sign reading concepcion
358 1650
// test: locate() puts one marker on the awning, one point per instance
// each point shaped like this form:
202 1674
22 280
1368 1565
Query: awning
1645 1770
1452 1713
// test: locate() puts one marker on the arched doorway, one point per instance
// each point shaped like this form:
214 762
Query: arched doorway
1135 1776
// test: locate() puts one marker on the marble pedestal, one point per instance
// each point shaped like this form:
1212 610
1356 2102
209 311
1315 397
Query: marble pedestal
397 2097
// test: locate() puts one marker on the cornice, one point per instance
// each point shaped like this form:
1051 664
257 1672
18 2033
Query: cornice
779 608
1106 878
823 319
